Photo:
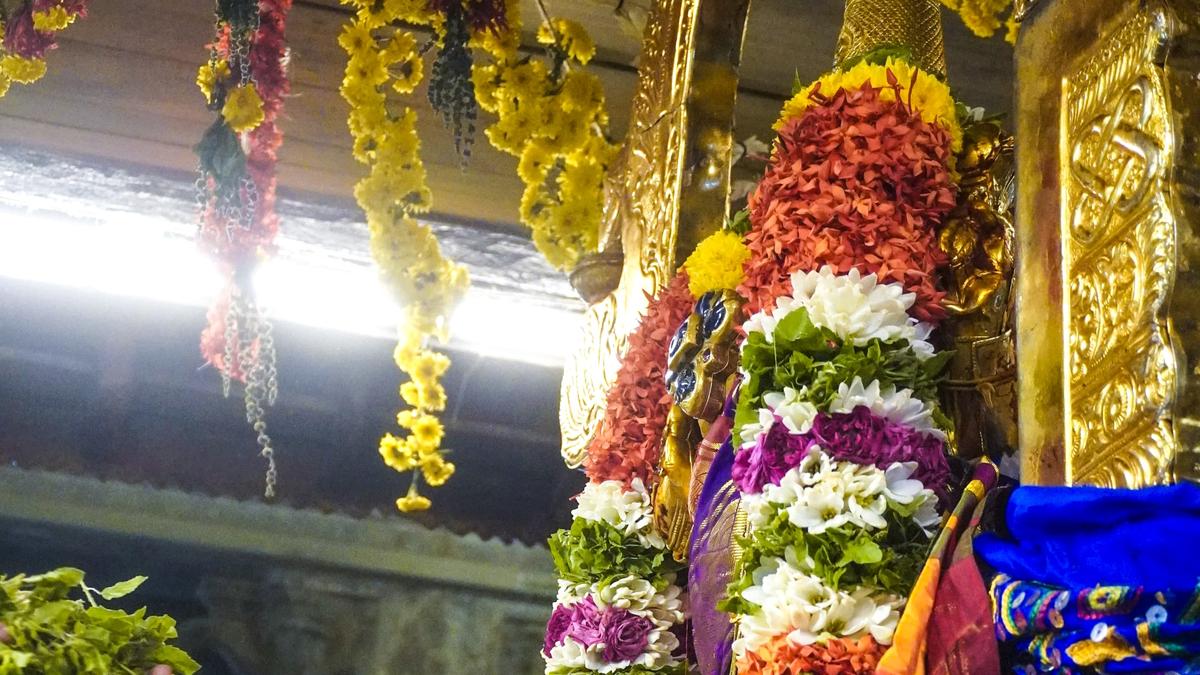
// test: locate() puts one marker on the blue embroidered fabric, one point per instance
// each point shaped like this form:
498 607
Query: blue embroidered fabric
1098 580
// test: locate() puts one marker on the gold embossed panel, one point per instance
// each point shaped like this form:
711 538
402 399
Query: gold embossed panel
1100 223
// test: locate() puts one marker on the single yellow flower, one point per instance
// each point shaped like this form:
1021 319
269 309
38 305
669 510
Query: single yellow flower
243 110
23 70
52 20
716 264
356 38
427 430
413 501
209 75
570 37
437 470
536 160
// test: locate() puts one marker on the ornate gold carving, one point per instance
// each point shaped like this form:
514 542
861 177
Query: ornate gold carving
1101 242
913 24
669 190
672 516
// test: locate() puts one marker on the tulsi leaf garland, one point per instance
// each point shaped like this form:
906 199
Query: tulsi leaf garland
27 33
244 82
840 456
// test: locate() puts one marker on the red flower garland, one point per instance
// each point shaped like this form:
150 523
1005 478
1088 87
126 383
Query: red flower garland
855 181
628 443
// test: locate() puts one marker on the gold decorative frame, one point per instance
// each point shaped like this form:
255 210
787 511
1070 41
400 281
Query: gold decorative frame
1108 157
669 191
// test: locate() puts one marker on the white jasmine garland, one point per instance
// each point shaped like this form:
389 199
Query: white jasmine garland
628 510
789 407
806 610
899 406
857 308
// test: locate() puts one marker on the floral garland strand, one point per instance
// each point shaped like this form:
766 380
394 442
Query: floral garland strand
244 81
384 59
27 33
551 115
620 609
982 17
841 447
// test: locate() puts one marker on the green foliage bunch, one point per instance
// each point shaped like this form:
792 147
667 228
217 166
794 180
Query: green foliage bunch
52 633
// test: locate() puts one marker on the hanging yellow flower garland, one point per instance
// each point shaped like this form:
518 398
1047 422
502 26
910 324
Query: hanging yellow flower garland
384 58
551 115
28 30
982 17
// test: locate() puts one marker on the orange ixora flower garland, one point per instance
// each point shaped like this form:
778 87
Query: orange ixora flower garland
27 33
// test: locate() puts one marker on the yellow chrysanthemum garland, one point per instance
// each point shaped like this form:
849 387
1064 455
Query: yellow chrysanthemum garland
716 264
552 116
385 57
31 67
929 96
982 17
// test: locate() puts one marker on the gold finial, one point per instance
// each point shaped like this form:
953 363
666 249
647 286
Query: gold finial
913 24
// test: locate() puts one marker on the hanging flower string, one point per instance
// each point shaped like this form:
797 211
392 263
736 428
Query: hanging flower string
982 17
385 61
27 33
551 115
244 81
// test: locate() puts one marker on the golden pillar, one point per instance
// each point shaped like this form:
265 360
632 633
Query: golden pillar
1108 292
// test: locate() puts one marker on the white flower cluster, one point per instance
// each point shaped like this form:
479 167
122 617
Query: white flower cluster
822 493
664 609
899 406
806 610
630 510
857 308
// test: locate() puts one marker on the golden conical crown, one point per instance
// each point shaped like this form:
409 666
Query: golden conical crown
913 24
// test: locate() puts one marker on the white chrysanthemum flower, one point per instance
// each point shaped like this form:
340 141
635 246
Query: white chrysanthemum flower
752 431
867 512
570 593
823 507
802 607
791 407
902 488
629 510
899 406
630 592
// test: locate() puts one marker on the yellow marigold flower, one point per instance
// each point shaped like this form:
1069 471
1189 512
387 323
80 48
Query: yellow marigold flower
356 38
570 37
551 247
1013 27
209 75
581 91
5 83
411 393
367 67
52 20
581 180
427 430
716 264
429 365
23 70
486 79
930 97
399 454
413 501
526 80
536 160
243 109
436 470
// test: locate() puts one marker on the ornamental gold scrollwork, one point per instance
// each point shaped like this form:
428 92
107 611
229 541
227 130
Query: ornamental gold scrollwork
1099 346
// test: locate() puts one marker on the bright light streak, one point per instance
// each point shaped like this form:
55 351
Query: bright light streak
142 258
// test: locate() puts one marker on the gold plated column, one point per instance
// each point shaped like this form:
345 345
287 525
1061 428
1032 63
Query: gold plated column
1108 297
669 191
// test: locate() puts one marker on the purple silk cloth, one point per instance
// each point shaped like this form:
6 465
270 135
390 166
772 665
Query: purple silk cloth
711 559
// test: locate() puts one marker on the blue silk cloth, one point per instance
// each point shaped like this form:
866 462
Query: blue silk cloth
1097 580
710 557
1075 537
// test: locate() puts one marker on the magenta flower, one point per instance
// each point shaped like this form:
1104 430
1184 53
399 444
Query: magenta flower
556 627
862 437
585 623
625 634
774 454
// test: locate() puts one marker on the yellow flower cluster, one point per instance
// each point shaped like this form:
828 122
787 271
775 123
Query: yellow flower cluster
716 264
552 117
384 60
16 68
930 97
52 20
982 17
243 109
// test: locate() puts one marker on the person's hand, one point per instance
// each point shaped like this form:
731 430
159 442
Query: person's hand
156 670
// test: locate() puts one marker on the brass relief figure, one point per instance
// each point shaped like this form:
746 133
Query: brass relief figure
978 238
